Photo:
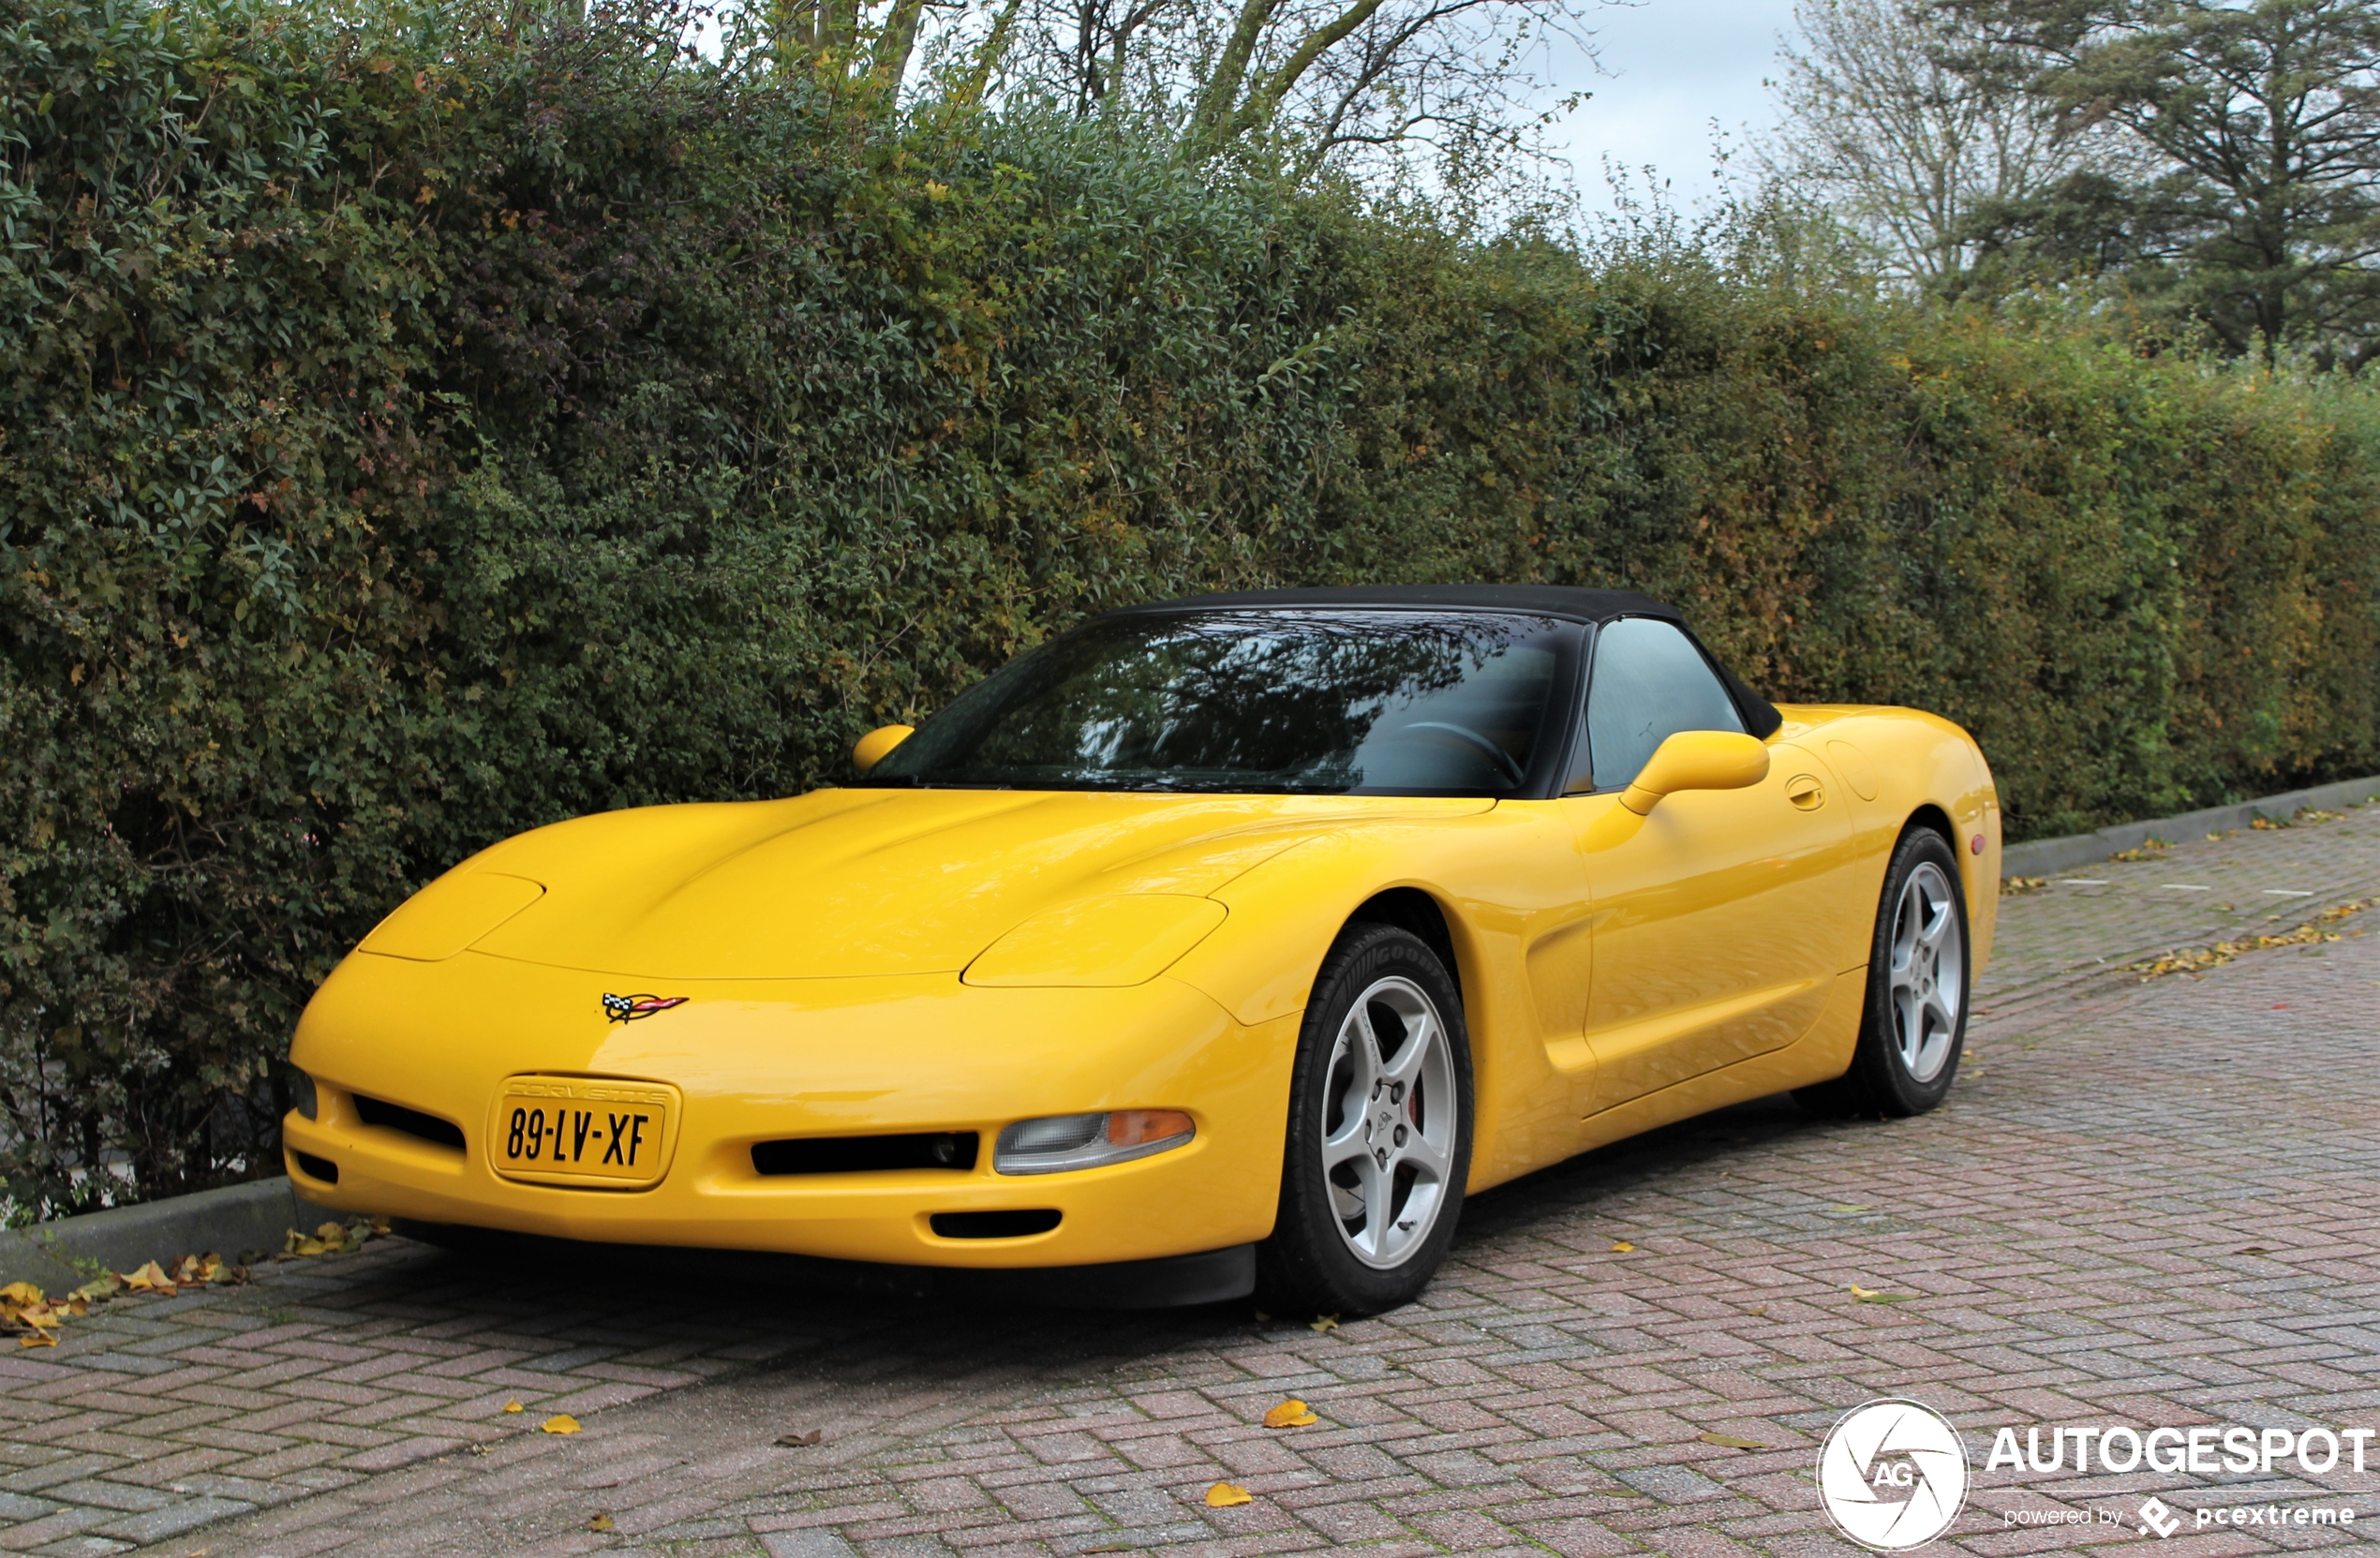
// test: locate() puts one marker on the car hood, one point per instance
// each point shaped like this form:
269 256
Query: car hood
846 881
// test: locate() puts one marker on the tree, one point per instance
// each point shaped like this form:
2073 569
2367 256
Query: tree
1316 81
2087 228
2269 112
1882 127
847 40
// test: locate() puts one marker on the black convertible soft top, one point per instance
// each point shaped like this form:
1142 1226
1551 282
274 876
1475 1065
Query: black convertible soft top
1576 606
1596 606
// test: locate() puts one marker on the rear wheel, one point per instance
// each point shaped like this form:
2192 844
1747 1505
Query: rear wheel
1916 1023
1379 1136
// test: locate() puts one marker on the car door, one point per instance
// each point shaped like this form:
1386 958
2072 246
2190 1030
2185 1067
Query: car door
1716 919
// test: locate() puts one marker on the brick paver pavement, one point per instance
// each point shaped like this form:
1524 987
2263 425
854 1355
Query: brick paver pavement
2146 1204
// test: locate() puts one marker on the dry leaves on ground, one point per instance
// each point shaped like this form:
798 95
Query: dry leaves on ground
2010 886
599 1523
26 1309
2197 958
514 1406
333 1238
1223 1495
799 1440
560 1422
1324 1323
1871 1295
1729 1441
1623 1248
1291 1413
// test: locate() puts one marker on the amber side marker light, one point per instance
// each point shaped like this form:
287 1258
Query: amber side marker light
1056 1143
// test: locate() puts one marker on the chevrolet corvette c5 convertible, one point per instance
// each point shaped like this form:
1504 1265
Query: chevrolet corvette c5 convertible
1227 942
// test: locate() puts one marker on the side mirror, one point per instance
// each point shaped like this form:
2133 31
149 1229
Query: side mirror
870 749
1697 760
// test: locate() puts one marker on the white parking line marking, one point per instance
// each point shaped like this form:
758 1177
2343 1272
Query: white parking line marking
2287 893
2082 882
2185 888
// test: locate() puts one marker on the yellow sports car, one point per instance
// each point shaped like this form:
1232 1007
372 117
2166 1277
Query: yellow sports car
1220 943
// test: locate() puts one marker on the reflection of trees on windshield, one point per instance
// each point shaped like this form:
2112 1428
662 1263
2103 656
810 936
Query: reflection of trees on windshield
1275 701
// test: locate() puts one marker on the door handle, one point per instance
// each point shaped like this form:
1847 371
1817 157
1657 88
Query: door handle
1804 792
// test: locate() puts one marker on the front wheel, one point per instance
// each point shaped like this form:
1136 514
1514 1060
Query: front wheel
1916 1023
1380 1131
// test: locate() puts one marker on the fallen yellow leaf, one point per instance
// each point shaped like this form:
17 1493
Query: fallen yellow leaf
1623 1248
800 1441
193 1270
149 1278
1757 1309
511 1406
331 1233
1291 1413
1871 1295
560 1422
20 1294
1223 1495
1325 1323
600 1522
1729 1441
36 1339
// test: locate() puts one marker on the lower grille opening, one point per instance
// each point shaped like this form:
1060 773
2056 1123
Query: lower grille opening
315 1168
413 1122
951 1149
994 1225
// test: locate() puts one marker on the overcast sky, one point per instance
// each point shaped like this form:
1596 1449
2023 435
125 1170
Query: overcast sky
1672 65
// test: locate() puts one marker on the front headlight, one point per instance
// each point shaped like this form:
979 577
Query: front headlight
450 914
1056 1143
302 1094
1105 942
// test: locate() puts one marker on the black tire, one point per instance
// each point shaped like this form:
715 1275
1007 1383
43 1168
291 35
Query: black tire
1883 1078
1310 1265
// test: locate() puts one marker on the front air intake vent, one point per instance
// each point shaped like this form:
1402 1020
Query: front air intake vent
315 1168
946 1150
994 1224
413 1122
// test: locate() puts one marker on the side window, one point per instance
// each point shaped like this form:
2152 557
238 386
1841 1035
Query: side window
1650 682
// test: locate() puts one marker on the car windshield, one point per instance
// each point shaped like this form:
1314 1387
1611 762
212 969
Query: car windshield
1320 702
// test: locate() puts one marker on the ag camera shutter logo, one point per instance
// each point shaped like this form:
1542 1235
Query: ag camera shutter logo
1892 1474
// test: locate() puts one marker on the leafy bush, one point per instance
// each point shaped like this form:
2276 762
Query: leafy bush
413 431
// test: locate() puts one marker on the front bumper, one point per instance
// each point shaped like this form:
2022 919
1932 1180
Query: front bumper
771 1059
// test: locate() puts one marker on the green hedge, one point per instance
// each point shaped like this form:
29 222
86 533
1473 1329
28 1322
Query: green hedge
411 433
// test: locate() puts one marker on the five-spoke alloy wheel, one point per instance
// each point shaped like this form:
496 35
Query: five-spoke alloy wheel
1915 1021
1925 978
1388 1121
1379 1130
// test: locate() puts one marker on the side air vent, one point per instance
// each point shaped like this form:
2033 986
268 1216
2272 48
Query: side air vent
413 1122
950 1150
315 1168
994 1225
